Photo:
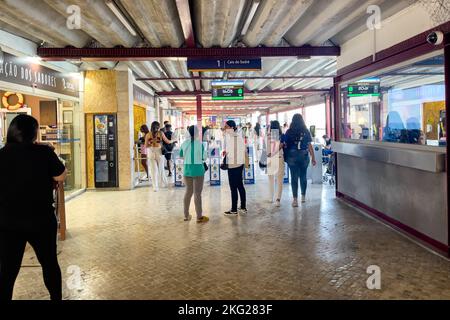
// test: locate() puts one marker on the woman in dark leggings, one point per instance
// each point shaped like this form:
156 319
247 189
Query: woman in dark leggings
26 206
237 157
298 150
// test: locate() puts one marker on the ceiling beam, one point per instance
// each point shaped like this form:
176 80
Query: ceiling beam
125 54
186 22
248 92
216 103
237 78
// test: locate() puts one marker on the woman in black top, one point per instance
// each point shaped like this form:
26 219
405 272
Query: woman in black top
298 147
30 171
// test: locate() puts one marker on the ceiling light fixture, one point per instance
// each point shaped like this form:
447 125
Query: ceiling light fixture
250 16
112 6
334 64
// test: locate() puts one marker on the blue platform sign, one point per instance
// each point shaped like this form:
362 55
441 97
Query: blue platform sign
224 64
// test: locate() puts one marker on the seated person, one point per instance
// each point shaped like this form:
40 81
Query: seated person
326 151
394 126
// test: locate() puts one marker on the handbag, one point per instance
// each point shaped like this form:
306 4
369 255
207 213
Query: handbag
224 164
263 160
205 166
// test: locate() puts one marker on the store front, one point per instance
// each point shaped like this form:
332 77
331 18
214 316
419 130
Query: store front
391 121
52 97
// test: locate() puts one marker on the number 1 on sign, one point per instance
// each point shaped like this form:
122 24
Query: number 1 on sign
218 63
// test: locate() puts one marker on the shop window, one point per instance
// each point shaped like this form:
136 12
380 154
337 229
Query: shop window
403 105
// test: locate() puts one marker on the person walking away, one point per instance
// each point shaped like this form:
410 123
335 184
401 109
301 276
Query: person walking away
275 162
194 155
257 141
143 149
298 147
236 156
153 141
168 147
26 206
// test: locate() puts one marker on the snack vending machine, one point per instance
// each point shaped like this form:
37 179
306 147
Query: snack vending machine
105 151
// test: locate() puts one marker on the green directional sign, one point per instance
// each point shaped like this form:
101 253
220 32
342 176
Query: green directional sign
227 90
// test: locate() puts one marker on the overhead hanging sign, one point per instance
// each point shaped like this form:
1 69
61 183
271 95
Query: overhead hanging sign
22 71
227 90
196 65
362 89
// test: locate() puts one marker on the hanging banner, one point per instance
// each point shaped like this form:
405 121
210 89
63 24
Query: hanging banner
22 71
214 167
249 174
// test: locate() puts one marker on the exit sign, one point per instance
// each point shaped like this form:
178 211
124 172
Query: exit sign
227 90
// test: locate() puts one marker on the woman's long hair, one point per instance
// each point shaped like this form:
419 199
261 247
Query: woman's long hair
258 129
154 127
144 129
298 125
22 130
274 126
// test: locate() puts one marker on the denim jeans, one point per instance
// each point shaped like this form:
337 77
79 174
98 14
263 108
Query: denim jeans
298 161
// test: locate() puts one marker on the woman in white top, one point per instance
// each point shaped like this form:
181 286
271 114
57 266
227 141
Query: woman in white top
275 162
153 141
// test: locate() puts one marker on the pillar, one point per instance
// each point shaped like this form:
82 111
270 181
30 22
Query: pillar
199 115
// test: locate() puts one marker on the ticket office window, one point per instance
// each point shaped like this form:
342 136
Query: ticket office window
403 105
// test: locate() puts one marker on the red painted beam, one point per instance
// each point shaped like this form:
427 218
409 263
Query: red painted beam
195 77
124 54
186 22
197 82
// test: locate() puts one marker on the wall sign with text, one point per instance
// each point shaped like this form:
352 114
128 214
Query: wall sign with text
21 71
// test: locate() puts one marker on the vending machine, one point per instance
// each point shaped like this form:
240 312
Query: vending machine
105 151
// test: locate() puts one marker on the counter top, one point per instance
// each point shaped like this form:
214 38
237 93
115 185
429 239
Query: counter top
430 159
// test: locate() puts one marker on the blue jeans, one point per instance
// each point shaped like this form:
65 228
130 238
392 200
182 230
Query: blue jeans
298 161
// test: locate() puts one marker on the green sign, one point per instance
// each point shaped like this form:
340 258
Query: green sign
227 90
363 89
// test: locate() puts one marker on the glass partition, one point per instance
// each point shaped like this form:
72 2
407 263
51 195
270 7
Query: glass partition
403 105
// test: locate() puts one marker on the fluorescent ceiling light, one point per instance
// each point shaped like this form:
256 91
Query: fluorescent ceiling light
111 5
171 84
334 64
250 16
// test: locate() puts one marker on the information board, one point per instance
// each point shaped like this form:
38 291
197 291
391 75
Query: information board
227 90
196 65
363 89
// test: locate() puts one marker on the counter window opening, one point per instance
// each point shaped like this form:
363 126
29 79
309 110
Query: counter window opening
405 104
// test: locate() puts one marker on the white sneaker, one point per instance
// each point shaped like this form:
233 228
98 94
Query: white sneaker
295 203
303 198
242 211
278 203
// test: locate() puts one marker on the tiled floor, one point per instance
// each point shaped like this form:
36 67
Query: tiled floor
135 245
